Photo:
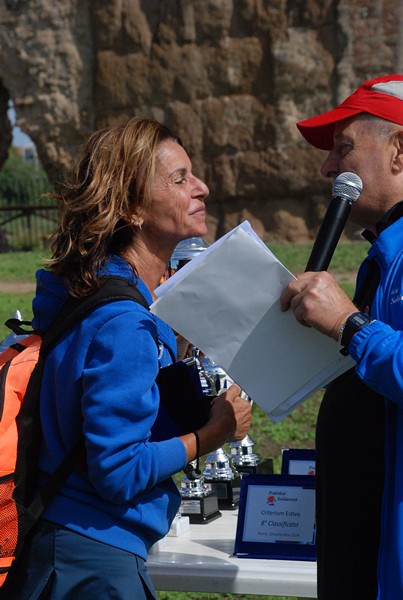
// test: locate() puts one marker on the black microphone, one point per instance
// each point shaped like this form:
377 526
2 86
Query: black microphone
345 190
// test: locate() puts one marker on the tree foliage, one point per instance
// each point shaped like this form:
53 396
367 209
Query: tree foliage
22 181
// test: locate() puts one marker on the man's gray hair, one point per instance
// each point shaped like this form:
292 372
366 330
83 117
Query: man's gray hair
381 127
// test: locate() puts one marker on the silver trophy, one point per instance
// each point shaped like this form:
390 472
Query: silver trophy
218 474
220 478
184 252
242 454
246 461
198 503
213 378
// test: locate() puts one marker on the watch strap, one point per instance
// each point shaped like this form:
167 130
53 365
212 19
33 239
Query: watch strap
354 323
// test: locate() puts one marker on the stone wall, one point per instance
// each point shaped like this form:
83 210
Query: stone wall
231 77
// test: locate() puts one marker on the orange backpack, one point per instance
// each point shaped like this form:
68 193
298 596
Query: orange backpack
21 369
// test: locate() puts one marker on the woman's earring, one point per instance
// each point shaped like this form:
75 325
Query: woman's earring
138 222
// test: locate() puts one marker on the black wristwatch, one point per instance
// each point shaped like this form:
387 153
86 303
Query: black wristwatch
354 323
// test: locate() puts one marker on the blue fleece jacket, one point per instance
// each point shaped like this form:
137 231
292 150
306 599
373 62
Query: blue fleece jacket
378 350
100 379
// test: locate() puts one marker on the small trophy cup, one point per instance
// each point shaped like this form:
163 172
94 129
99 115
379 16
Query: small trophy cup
213 378
184 252
222 479
246 461
198 503
242 454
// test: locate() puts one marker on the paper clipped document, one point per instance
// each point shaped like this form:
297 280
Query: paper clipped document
225 301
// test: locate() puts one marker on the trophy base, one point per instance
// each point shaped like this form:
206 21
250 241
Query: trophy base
200 510
266 466
227 492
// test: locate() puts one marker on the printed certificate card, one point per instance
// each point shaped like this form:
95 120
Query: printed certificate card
298 461
276 517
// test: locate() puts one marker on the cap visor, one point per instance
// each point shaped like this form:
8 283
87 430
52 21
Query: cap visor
319 130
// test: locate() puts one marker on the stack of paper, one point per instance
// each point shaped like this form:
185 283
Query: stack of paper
226 302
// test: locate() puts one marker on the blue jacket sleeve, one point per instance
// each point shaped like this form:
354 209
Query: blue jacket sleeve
378 350
119 405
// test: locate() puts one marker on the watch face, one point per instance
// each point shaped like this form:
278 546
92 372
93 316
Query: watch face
353 324
360 319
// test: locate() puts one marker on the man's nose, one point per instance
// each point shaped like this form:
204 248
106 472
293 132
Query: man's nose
330 167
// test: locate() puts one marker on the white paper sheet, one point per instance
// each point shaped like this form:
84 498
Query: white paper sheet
226 302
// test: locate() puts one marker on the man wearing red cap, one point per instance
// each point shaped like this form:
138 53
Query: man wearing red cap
359 436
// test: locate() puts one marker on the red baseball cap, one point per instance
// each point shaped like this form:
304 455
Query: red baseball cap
382 97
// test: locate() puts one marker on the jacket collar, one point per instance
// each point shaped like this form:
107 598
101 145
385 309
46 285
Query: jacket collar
390 217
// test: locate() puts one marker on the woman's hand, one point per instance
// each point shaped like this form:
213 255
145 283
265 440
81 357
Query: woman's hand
231 413
230 419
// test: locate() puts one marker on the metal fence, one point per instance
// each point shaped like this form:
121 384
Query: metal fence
27 227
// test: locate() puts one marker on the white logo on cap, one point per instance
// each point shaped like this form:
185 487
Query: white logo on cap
392 88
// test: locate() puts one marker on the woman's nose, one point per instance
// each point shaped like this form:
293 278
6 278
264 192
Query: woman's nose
201 188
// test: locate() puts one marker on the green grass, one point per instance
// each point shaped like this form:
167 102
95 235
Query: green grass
295 431
343 266
17 268
9 303
346 259
20 266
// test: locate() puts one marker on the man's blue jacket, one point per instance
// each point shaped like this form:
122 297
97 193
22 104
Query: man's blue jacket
378 350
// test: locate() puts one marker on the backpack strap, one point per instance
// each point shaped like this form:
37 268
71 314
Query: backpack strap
16 326
75 309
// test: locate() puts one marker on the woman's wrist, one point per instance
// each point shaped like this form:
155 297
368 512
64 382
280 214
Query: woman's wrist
197 437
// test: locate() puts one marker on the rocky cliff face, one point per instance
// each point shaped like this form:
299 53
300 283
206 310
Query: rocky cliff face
231 77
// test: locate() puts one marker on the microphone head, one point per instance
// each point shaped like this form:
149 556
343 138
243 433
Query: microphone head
347 185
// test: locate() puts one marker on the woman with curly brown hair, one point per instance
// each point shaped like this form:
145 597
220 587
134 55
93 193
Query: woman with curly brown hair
132 198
